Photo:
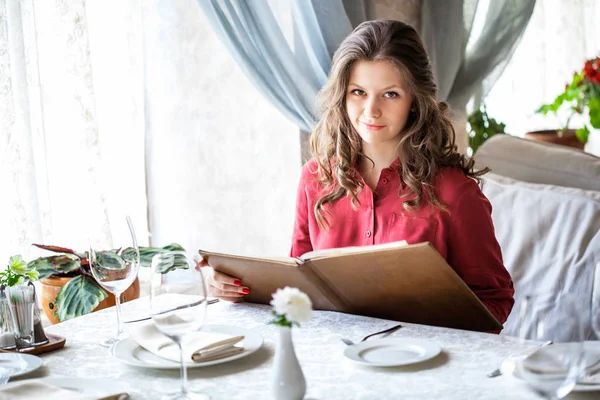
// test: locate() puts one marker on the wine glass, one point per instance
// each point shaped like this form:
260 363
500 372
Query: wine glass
115 271
551 371
178 305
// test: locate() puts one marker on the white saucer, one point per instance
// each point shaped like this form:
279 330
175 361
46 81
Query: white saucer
510 367
129 352
392 352
19 364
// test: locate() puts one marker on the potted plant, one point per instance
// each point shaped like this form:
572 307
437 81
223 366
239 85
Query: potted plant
68 288
482 127
581 95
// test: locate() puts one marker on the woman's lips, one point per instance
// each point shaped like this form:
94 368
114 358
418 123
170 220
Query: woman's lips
373 127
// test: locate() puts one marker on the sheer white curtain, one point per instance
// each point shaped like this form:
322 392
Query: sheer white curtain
560 36
71 123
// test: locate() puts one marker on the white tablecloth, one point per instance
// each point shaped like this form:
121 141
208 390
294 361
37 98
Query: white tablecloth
459 372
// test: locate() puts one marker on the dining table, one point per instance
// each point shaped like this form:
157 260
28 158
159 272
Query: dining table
459 371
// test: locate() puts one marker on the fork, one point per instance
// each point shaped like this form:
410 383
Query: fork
384 332
589 372
526 353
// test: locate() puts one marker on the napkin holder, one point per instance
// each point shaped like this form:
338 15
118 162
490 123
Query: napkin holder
42 342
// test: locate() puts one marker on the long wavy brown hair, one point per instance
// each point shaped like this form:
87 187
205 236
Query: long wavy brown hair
427 142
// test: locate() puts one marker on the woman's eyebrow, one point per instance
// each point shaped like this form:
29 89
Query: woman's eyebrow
394 87
383 90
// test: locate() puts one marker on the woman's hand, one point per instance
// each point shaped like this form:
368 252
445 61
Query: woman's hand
223 286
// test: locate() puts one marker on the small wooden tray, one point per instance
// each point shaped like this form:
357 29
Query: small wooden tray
55 342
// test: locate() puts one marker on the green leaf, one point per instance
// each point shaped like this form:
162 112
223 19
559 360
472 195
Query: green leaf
9 278
281 320
170 262
80 296
173 247
573 92
63 264
110 260
482 127
594 112
146 254
582 134
594 104
543 109
129 255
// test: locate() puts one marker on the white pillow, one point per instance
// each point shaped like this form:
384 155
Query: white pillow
550 239
539 162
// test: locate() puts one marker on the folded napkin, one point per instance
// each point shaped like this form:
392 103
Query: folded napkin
32 389
198 346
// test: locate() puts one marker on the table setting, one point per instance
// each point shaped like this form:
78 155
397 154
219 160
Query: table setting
457 372
181 343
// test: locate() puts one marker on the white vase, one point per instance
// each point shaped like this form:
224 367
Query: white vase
288 379
593 142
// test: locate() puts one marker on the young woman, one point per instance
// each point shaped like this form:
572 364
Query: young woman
385 167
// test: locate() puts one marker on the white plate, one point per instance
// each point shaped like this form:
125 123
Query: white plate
19 364
89 386
129 352
392 352
509 367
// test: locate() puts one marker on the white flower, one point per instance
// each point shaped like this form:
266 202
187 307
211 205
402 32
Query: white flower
293 304
33 275
17 264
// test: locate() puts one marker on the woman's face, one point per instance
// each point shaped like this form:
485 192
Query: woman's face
377 103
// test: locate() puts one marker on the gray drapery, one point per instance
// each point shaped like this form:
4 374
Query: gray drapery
290 79
465 66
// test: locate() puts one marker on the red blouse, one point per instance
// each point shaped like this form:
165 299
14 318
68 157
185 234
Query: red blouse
464 236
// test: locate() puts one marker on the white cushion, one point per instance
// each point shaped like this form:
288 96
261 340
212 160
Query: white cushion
539 162
550 239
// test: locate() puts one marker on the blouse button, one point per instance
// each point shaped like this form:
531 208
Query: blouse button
368 234
385 181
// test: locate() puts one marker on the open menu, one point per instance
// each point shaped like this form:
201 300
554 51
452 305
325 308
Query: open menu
410 283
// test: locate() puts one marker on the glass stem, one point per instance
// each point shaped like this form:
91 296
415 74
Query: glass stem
118 306
184 388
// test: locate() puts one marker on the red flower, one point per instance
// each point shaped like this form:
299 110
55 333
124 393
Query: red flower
588 67
591 70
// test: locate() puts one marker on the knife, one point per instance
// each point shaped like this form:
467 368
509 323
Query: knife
209 302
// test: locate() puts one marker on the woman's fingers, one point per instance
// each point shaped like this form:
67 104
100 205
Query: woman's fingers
226 280
226 287
201 264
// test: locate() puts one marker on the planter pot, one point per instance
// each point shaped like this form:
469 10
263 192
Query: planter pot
51 286
568 137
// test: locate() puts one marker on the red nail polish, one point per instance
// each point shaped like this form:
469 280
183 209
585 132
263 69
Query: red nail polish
237 282
245 290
